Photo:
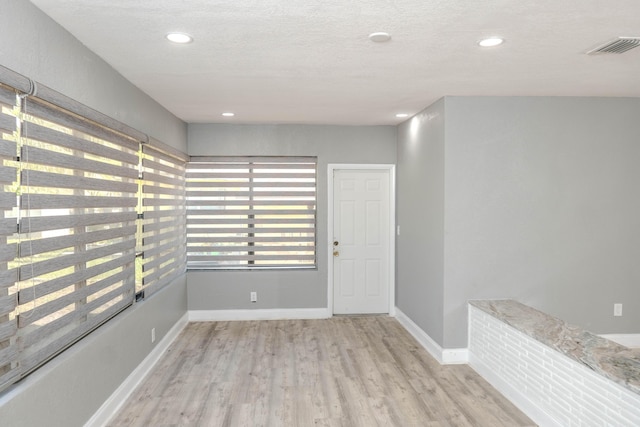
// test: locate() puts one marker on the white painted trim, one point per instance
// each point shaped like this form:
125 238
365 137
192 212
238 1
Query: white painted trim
515 396
331 168
627 340
265 314
119 397
450 356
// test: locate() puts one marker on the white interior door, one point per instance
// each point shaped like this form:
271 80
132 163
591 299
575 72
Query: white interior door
361 241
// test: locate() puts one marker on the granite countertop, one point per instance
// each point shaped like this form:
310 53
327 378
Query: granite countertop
607 358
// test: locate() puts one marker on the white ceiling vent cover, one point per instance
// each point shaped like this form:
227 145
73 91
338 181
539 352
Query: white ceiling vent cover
617 45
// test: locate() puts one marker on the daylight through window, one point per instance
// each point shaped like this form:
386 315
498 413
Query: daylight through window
251 212
77 196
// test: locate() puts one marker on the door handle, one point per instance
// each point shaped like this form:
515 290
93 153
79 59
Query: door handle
336 253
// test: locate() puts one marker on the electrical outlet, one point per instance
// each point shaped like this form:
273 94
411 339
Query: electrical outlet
153 335
617 309
254 296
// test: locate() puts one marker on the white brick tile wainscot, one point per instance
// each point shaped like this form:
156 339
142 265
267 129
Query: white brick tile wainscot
558 374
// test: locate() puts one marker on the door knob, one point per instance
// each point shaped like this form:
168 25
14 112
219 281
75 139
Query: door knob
336 253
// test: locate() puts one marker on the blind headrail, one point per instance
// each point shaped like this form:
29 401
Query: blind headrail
166 149
26 85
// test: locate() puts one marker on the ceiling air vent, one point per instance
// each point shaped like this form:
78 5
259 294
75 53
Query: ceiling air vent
617 45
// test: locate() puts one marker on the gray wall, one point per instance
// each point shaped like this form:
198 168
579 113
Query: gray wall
218 290
420 211
69 389
33 45
541 204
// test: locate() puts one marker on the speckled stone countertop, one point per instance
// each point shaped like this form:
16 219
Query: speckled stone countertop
607 358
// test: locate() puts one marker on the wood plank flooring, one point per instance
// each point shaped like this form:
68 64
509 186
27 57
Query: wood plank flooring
344 371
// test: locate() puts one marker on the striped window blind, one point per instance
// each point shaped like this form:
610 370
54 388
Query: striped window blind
74 182
9 370
164 219
251 212
78 196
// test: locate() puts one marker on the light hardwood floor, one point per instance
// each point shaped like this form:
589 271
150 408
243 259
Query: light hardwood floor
344 371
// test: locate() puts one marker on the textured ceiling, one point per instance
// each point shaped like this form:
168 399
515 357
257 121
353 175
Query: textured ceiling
310 61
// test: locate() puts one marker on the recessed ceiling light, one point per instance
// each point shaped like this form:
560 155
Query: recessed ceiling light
379 37
179 38
402 115
228 114
491 42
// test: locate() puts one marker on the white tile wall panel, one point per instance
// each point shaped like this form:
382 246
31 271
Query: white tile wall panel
550 387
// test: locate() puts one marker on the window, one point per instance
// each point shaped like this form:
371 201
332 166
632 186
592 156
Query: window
80 192
8 301
251 212
163 234
77 189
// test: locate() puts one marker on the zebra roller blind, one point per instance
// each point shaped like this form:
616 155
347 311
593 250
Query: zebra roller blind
76 236
72 182
164 219
251 212
9 369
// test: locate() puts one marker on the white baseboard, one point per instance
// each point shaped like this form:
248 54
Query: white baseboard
448 356
111 406
627 340
260 314
515 396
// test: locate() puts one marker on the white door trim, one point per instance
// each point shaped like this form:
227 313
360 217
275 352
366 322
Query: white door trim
331 167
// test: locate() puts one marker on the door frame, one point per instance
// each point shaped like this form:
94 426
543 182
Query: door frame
391 168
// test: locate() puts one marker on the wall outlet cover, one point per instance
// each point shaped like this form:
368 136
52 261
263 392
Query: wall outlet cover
617 309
